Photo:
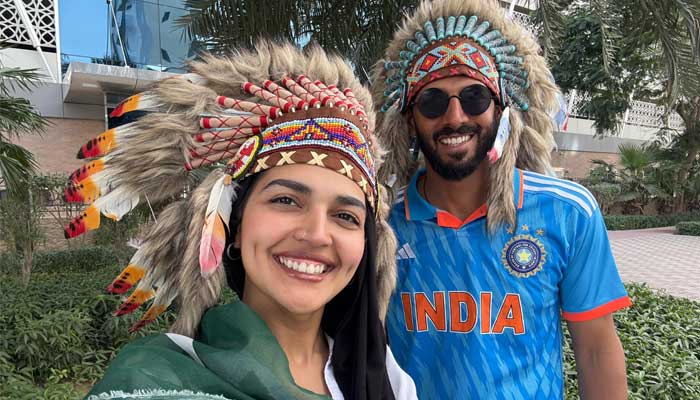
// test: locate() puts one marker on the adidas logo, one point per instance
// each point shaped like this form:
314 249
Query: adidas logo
405 253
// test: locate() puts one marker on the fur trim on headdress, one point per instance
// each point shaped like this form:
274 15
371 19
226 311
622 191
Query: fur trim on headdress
531 138
207 117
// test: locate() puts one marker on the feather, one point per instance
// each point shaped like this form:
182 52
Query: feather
85 191
135 301
117 203
113 205
153 312
99 146
216 220
164 297
87 170
106 142
127 278
88 220
501 137
141 101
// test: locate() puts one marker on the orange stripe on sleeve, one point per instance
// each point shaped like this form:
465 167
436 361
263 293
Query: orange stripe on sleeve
599 311
521 189
405 205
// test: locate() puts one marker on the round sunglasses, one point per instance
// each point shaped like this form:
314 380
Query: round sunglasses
474 99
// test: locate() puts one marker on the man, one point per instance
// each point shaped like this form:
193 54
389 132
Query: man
491 249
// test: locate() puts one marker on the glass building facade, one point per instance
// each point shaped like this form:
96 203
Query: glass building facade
137 33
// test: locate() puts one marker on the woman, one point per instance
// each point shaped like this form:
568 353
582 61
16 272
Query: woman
295 217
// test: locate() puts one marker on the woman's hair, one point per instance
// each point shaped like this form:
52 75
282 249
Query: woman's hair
351 318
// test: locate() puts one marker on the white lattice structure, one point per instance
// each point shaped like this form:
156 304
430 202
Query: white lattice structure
524 20
649 114
42 14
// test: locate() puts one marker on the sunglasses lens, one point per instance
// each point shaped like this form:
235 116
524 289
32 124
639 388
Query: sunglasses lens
433 102
475 99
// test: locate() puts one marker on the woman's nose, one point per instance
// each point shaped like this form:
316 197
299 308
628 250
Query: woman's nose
314 229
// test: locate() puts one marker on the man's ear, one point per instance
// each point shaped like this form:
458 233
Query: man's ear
497 112
411 122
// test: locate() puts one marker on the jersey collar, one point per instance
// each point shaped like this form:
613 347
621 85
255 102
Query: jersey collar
417 209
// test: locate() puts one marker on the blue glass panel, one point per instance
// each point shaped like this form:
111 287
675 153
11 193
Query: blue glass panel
141 31
176 47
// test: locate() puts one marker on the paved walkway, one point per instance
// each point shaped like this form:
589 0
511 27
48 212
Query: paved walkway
660 258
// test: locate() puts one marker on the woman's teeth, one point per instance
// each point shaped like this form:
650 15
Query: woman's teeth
303 267
455 140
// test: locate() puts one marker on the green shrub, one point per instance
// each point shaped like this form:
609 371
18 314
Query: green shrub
9 263
62 328
691 228
606 194
661 338
81 259
54 341
626 222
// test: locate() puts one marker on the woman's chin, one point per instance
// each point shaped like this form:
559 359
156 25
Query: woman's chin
302 305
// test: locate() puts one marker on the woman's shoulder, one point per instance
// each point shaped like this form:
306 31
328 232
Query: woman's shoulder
154 367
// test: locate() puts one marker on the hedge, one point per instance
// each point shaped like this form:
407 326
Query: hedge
626 222
661 337
81 259
690 228
61 330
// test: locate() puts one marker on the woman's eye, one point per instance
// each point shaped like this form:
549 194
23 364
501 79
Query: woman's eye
350 218
283 200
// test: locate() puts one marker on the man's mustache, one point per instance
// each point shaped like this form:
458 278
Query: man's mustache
463 129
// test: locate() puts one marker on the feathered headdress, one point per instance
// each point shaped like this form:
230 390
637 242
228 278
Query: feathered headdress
473 38
252 111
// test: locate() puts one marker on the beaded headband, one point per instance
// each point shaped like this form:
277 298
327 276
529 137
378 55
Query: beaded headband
460 47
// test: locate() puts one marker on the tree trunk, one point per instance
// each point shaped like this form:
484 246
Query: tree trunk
27 265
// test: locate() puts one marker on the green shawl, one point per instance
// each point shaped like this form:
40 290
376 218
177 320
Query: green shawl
240 360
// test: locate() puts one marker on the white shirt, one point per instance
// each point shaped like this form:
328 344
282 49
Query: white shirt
401 384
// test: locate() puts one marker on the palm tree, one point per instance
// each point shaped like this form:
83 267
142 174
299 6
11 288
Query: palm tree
666 33
17 118
357 29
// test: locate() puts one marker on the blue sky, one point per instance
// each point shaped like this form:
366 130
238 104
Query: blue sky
83 27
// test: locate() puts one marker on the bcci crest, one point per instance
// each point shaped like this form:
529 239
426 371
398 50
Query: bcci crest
523 256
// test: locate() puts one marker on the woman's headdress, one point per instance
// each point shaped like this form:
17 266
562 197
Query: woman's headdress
471 38
251 111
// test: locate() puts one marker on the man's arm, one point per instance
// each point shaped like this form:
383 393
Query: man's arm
600 360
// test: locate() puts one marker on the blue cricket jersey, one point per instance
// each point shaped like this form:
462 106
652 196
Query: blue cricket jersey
477 316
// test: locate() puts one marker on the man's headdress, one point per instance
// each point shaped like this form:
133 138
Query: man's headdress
252 111
471 38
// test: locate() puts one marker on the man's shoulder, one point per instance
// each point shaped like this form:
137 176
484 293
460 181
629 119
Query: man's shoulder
540 190
398 207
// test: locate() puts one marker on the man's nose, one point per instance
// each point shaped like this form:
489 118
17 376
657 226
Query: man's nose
454 116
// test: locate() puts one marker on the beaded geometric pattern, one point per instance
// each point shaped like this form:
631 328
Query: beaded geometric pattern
457 41
333 143
449 53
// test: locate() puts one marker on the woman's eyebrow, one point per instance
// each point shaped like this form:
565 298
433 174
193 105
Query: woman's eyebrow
350 201
294 185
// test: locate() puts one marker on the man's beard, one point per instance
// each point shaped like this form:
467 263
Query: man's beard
457 169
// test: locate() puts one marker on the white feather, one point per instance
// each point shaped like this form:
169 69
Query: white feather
117 203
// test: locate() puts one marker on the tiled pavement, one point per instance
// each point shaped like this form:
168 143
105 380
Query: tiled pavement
659 257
